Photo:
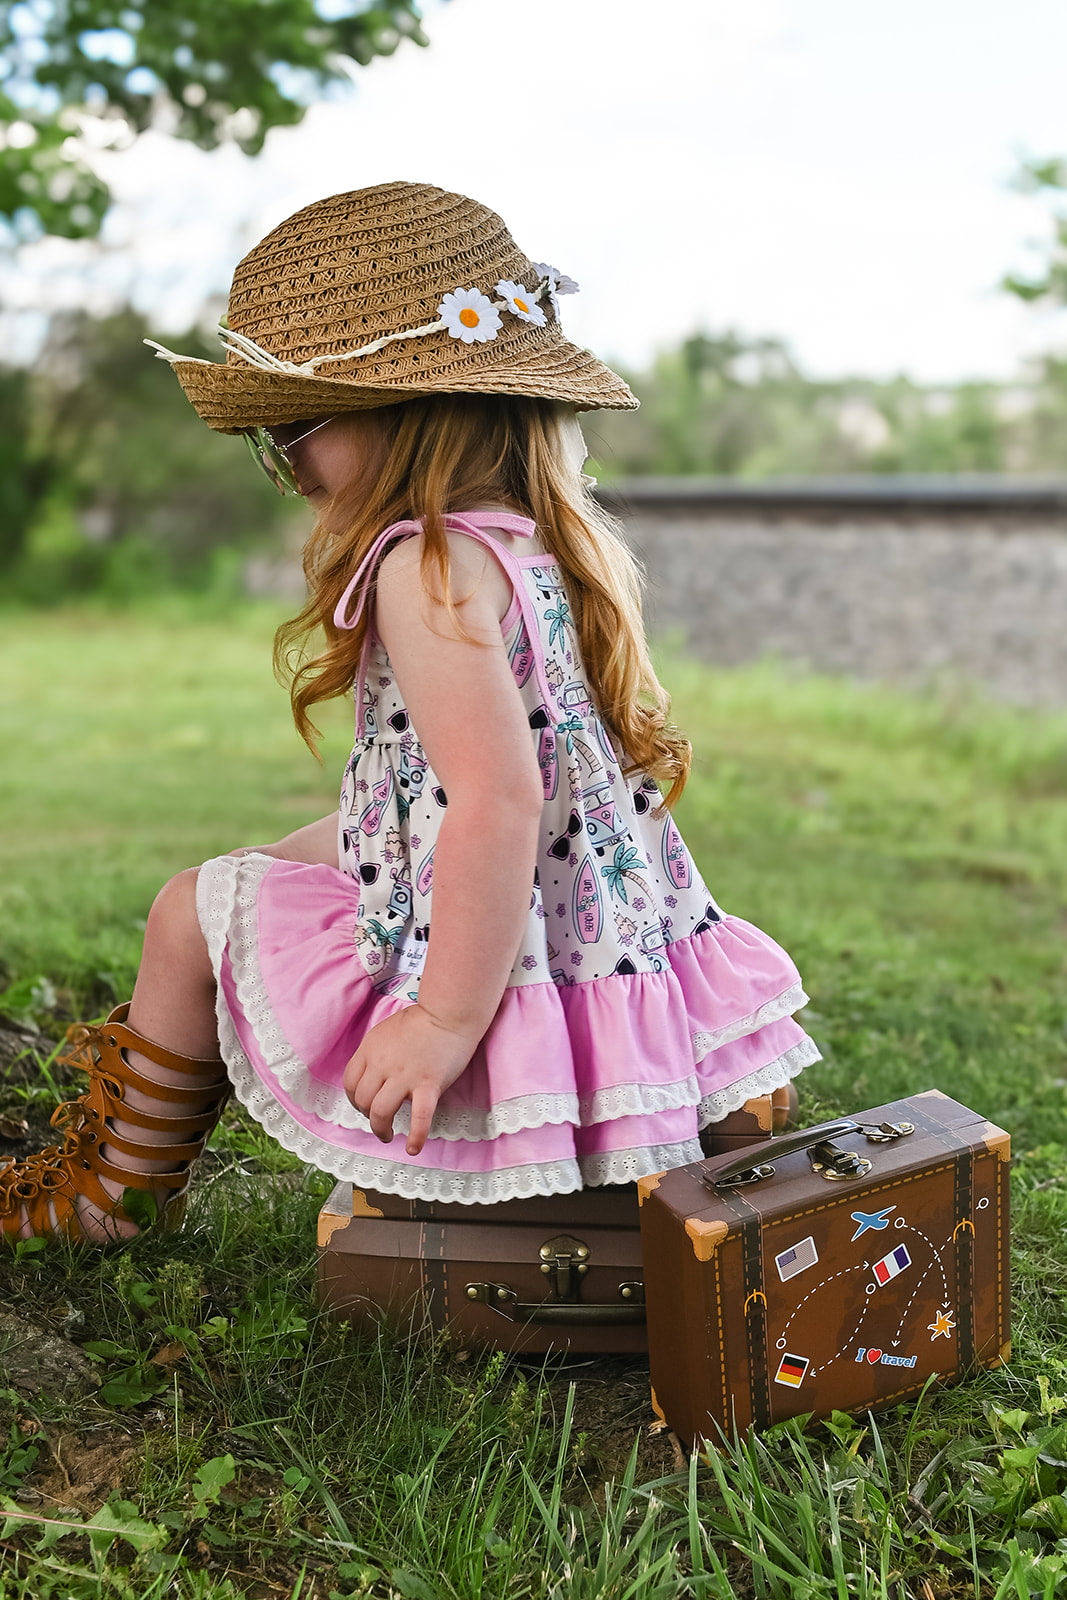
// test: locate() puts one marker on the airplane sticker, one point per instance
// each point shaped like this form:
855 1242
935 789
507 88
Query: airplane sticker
791 1370
796 1258
871 1219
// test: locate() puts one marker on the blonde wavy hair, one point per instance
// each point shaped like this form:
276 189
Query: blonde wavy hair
453 453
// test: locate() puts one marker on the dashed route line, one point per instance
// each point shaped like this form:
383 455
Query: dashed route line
858 1266
935 1252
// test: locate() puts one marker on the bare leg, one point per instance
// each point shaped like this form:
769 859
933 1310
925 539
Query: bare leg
173 1005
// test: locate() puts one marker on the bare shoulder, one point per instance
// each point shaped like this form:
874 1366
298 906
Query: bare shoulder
476 578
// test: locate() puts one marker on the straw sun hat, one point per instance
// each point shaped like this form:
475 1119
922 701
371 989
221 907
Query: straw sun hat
382 294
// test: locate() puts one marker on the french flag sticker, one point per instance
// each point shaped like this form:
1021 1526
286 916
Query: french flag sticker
892 1264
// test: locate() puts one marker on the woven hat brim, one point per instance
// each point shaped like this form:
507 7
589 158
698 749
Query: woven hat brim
231 397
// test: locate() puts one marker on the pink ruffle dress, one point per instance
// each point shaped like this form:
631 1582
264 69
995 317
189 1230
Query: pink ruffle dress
635 1014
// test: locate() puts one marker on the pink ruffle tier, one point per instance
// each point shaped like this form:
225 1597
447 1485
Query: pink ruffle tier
590 1083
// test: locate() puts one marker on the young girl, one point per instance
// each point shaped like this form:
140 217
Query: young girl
494 971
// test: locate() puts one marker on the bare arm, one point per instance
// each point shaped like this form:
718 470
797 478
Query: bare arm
464 702
315 844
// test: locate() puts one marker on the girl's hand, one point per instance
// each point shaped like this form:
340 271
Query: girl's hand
410 1056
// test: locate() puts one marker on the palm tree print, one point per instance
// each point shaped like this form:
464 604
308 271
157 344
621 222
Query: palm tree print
570 728
383 936
558 616
625 859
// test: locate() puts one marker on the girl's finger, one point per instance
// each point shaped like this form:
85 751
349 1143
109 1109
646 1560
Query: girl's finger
423 1106
352 1075
367 1089
384 1107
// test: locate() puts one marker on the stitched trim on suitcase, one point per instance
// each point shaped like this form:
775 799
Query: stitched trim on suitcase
755 1306
726 1408
1003 1268
874 1188
963 1237
432 1260
756 1319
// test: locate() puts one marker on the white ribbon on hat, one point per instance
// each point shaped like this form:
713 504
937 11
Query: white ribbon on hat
262 359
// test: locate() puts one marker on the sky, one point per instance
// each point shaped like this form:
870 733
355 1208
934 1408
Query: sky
831 173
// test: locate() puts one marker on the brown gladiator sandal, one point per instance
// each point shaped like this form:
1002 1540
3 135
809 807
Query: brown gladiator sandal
56 1177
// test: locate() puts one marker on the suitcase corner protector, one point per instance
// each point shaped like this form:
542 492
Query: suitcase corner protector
706 1237
1004 1353
646 1185
657 1408
329 1222
996 1141
361 1206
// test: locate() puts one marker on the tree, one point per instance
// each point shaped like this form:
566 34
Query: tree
100 448
1048 176
209 70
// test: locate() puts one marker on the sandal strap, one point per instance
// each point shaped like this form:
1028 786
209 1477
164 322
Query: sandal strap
46 1187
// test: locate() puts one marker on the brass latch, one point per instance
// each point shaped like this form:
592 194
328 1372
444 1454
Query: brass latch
565 1261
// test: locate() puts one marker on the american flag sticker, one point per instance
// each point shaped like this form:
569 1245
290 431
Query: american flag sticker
791 1370
796 1258
891 1264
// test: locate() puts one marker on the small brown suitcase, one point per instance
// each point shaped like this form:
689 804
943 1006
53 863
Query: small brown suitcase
852 1263
559 1272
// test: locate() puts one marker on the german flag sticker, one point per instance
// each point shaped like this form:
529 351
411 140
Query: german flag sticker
791 1370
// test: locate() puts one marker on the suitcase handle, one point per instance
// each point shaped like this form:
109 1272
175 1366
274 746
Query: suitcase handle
503 1299
744 1169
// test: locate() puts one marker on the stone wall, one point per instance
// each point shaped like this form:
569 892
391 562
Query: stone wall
899 580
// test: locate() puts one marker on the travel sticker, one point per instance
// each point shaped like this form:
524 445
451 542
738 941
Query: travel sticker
791 1370
587 905
892 1265
870 1219
796 1258
942 1325
882 1358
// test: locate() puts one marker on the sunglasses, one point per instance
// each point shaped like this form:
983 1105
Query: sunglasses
272 454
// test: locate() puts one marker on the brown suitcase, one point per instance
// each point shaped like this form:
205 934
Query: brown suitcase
558 1272
857 1260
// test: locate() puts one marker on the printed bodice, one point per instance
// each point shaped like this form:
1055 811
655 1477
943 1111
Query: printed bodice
614 881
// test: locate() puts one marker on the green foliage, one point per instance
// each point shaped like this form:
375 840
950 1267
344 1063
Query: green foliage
113 481
723 405
28 1001
910 852
210 71
1046 177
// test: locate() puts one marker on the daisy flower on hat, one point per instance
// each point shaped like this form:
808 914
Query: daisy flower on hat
520 302
470 315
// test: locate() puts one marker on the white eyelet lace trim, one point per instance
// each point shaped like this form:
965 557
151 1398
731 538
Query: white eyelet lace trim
713 1107
636 1100
783 1005
227 891
626 1166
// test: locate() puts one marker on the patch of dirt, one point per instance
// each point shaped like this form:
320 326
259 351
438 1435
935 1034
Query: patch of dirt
22 1049
82 1470
38 1363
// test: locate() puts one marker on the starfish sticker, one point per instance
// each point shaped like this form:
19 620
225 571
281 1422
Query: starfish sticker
942 1324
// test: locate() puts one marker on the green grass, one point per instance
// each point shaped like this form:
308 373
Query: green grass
911 852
